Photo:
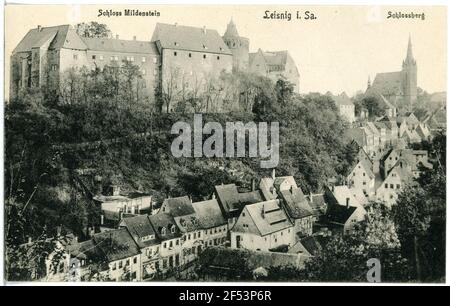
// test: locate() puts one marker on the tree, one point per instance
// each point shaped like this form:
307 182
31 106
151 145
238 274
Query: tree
412 218
93 29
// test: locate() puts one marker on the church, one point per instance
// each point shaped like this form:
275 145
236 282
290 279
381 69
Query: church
400 87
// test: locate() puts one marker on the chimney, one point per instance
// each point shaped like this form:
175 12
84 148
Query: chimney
347 202
134 37
204 30
273 174
117 36
39 28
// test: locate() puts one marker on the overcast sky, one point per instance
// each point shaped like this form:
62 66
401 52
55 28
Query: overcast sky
336 52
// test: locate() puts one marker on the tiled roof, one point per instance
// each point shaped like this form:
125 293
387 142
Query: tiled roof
268 217
188 38
180 206
164 220
188 223
341 193
140 227
339 213
209 213
296 204
62 36
116 244
387 83
120 45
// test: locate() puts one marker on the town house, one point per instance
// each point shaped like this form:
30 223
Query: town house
263 226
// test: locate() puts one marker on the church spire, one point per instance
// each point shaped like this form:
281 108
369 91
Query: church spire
409 54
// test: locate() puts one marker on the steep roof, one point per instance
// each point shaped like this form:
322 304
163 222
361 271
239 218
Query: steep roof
209 213
268 217
231 30
228 196
339 214
116 244
296 204
180 206
140 227
342 193
120 45
356 134
189 38
387 83
164 220
62 36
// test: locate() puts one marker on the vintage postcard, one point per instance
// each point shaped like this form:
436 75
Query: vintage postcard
213 143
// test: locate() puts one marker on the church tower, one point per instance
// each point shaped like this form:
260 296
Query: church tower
409 70
238 45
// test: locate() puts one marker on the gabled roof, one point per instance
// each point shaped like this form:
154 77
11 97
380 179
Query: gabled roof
188 38
297 206
140 227
339 214
164 220
268 217
177 207
115 244
387 83
341 193
228 196
209 213
120 45
63 36
311 244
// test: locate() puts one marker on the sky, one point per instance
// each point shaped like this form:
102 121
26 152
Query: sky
335 52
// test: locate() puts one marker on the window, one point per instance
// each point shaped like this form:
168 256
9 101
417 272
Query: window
165 245
398 186
144 72
386 185
392 186
189 236
75 56
364 182
155 60
116 58
120 265
177 242
54 67
175 53
173 229
364 174
144 59
204 56
170 244
155 71
190 54
101 57
218 57
93 57
135 260
114 266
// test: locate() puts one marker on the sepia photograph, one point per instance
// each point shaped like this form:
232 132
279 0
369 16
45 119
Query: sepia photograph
224 143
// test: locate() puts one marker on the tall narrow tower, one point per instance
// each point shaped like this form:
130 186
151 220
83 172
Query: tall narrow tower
238 45
409 69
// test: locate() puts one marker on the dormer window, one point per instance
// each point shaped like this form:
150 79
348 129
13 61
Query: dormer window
172 229
163 231
205 47
175 43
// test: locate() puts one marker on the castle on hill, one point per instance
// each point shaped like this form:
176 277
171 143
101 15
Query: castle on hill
188 54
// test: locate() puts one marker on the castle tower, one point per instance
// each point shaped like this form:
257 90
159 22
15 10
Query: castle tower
238 45
409 69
